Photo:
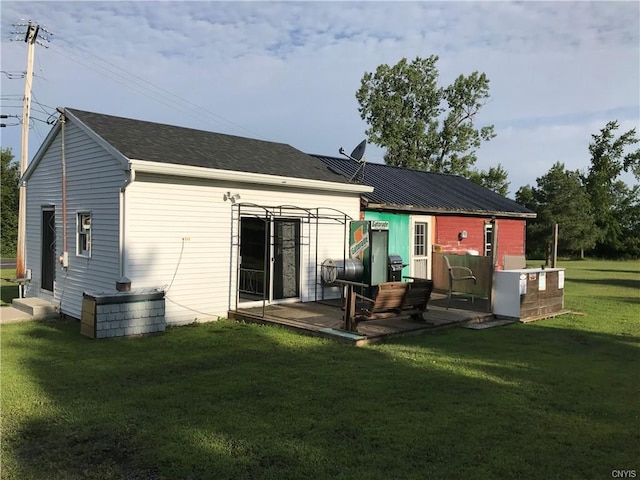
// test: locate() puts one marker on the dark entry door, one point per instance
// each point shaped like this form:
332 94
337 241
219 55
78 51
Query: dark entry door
286 259
254 252
269 259
48 262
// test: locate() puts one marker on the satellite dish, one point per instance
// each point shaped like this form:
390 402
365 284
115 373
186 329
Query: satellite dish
357 156
358 152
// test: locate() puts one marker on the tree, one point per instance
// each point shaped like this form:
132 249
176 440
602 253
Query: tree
494 179
538 233
422 125
612 201
559 199
10 177
626 211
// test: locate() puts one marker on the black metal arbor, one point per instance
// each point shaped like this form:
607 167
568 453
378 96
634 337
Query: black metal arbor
269 238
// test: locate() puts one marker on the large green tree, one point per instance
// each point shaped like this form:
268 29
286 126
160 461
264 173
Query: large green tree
10 198
559 198
615 205
426 126
494 179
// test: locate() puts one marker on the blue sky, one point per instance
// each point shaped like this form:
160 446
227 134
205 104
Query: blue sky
288 71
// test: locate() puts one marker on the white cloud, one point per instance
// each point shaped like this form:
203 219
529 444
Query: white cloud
289 71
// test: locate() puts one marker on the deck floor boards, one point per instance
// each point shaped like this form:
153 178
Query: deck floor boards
324 319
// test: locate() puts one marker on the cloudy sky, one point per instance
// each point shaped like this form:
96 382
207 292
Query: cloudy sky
288 71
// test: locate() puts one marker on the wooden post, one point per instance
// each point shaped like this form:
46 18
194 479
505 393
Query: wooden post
554 254
30 39
494 261
349 308
350 303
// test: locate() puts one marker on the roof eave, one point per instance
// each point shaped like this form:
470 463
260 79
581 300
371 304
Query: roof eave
446 211
40 153
246 177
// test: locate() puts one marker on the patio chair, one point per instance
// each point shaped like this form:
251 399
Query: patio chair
458 274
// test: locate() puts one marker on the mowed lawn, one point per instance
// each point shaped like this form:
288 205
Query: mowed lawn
8 290
554 399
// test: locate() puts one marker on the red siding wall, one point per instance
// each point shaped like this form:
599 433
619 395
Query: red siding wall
511 235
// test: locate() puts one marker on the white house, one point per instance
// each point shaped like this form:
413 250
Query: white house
212 220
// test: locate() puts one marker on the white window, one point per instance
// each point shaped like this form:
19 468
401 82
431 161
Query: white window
420 239
488 239
83 237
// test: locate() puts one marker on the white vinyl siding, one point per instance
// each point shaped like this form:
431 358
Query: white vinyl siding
176 230
43 190
94 178
179 239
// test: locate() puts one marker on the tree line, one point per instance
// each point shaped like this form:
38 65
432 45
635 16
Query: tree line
10 175
426 126
596 212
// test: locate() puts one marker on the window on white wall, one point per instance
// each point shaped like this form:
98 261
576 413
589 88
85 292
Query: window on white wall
420 239
83 239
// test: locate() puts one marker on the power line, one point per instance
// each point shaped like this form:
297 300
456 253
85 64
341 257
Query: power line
13 75
120 80
137 83
42 106
36 129
6 117
135 80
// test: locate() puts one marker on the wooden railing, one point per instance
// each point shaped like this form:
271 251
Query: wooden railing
481 267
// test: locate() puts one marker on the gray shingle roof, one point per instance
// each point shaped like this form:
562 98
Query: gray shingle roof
141 140
398 188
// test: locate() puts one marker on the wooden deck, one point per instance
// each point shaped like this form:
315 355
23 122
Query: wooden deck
324 319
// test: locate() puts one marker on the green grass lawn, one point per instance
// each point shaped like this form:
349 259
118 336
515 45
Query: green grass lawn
8 290
554 399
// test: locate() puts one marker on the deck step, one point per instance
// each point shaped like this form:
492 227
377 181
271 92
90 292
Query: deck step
342 333
37 308
487 324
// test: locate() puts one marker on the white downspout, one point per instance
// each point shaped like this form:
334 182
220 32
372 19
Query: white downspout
122 223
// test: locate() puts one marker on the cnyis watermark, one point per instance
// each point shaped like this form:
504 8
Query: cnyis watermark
623 474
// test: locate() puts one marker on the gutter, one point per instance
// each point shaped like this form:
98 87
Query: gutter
131 177
443 211
245 177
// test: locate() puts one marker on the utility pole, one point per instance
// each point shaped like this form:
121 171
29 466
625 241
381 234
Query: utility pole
31 37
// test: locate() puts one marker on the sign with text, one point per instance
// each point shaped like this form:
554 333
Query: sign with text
379 225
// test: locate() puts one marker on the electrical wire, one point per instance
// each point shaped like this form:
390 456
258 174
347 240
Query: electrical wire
164 91
31 117
132 81
186 307
13 75
153 95
42 107
177 267
151 90
36 129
